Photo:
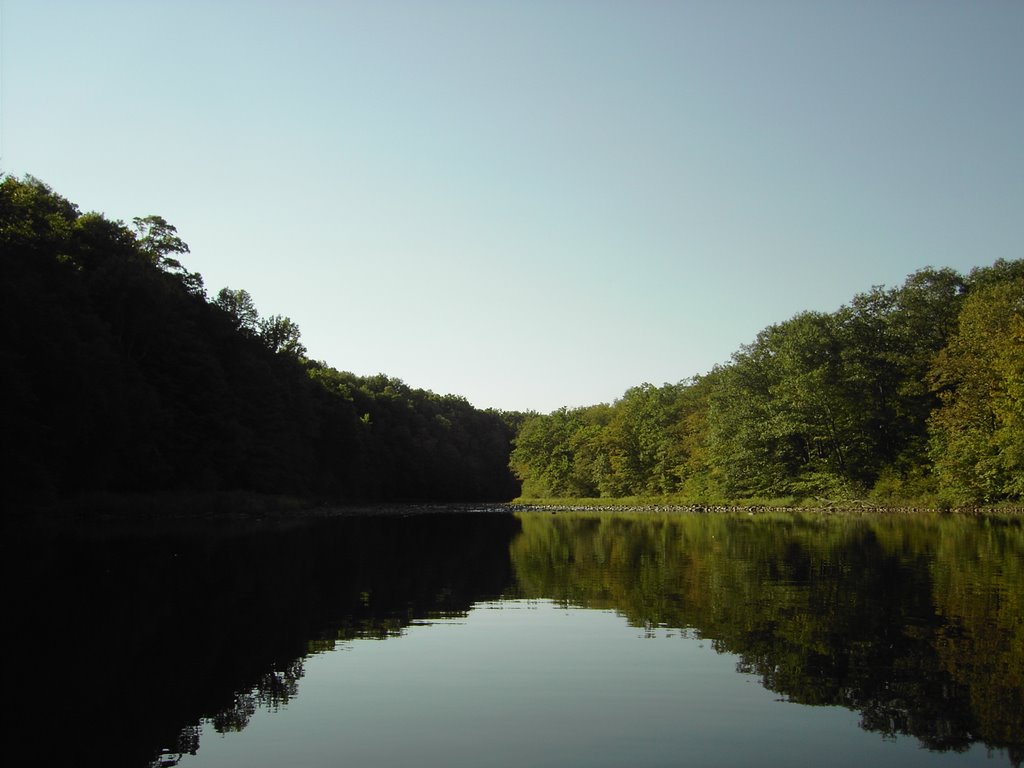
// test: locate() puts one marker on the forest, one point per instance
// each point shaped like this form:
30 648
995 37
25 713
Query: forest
121 375
914 393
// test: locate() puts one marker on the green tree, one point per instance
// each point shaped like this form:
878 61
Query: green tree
826 404
159 240
977 438
780 421
889 339
280 334
559 454
699 479
239 306
642 442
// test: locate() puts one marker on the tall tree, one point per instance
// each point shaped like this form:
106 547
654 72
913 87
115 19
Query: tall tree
239 306
280 334
978 433
559 455
888 340
159 240
780 422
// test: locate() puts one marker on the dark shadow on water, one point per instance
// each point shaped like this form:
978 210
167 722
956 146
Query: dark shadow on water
118 643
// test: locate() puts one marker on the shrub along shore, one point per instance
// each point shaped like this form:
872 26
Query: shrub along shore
809 506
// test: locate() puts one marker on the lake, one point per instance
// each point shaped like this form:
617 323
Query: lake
493 638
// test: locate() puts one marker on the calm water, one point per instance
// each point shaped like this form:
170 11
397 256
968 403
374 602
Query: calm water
521 640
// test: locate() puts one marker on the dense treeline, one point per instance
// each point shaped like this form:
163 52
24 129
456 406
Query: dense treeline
121 374
915 392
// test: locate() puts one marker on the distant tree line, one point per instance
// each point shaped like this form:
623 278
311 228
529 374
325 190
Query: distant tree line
120 374
915 392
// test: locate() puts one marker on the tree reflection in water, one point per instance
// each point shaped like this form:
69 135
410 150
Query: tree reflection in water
917 623
126 636
913 622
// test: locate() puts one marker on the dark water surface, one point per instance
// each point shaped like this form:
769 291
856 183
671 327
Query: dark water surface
492 639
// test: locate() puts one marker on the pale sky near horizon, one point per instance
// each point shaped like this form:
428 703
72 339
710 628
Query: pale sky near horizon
533 204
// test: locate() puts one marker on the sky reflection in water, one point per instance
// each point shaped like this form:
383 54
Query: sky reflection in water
532 683
900 631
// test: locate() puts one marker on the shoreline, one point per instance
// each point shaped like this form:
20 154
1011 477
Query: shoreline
154 509
760 508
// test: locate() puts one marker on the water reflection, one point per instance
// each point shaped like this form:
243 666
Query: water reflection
917 623
124 643
119 643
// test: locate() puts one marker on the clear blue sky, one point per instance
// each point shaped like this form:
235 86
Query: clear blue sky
533 204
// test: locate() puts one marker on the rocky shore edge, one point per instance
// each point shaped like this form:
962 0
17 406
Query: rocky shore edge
759 509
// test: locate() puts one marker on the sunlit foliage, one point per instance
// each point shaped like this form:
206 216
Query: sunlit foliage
911 393
978 433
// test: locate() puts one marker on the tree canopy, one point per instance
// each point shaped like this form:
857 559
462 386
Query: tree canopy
912 392
119 374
